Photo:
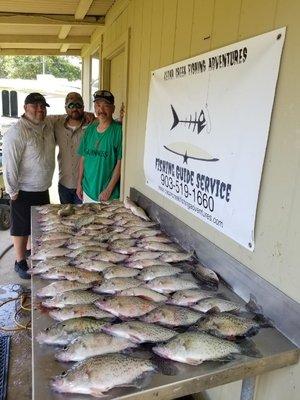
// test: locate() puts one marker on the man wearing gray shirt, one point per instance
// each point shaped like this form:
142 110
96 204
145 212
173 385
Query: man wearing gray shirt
68 130
28 166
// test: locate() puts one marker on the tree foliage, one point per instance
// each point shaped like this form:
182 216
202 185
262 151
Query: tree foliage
27 67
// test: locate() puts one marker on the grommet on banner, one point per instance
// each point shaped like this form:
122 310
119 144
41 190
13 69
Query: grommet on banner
279 36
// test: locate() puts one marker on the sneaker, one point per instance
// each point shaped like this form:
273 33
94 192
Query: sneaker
27 253
21 268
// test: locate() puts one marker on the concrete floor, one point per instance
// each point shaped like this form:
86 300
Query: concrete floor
19 382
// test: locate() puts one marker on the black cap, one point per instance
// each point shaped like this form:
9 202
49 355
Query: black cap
36 98
104 95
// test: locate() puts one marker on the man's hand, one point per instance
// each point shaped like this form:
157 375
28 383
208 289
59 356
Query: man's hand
79 191
105 195
88 117
13 198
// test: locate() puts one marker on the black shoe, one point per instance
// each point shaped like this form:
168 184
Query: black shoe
27 253
21 268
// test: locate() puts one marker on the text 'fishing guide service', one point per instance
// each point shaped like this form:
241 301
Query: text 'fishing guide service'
207 130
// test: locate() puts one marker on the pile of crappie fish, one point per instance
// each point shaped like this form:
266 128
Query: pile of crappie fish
119 283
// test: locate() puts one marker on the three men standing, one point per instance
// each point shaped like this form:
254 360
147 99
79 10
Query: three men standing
29 160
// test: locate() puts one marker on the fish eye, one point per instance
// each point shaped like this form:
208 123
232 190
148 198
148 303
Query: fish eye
65 347
47 329
63 374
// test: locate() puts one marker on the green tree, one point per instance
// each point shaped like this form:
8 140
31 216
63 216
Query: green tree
27 67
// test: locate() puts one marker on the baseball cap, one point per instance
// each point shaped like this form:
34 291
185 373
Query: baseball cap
36 98
104 95
73 97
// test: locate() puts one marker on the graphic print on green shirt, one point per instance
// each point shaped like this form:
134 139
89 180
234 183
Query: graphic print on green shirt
101 151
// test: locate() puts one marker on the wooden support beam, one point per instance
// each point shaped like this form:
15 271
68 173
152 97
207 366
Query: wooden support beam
64 48
82 8
45 19
64 31
43 39
38 52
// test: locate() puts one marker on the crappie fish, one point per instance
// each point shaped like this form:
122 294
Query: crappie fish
140 332
132 229
141 264
50 253
144 293
93 344
158 239
72 274
144 255
123 243
94 265
103 221
216 304
83 253
110 256
126 250
64 332
59 287
228 326
53 262
114 285
126 306
86 245
205 275
144 232
175 257
119 272
140 223
169 315
54 236
71 298
168 284
165 247
84 220
101 373
78 311
194 348
118 236
66 211
59 272
157 271
189 296
135 209
51 244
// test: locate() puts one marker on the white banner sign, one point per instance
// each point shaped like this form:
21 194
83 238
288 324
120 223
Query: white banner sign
207 130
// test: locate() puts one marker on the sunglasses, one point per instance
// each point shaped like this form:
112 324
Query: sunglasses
71 106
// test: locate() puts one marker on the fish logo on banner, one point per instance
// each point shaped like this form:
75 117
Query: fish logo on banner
199 124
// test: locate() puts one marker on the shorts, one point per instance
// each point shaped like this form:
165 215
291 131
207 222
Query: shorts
20 213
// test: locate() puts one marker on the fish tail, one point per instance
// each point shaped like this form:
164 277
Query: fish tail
249 349
175 116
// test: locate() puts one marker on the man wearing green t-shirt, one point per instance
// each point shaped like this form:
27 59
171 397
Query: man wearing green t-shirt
100 153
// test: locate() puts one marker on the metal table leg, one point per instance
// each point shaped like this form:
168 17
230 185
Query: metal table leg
248 388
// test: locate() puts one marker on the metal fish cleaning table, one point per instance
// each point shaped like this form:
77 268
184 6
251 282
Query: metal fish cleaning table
276 352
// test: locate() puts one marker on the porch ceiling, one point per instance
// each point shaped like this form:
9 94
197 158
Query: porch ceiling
50 27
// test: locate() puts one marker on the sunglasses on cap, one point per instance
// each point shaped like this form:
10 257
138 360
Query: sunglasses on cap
71 106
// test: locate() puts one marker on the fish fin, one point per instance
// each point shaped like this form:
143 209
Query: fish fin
97 393
223 296
175 116
263 321
165 367
253 306
192 361
249 349
140 382
214 310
